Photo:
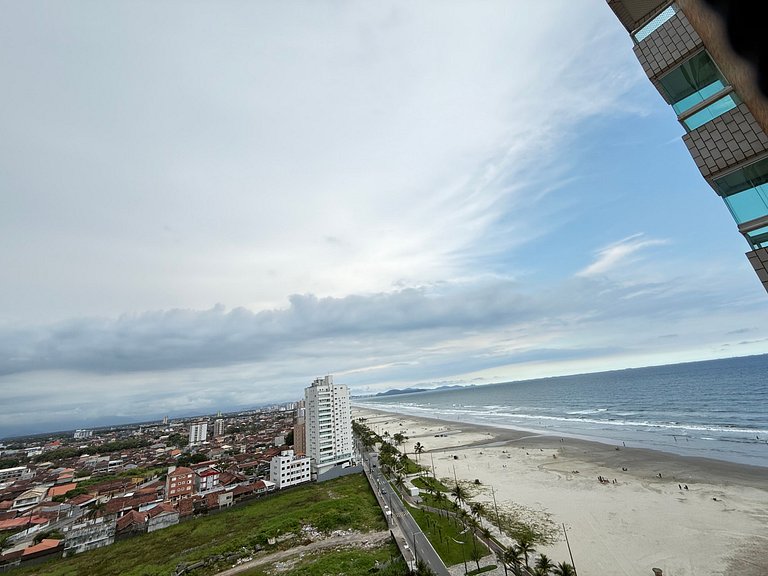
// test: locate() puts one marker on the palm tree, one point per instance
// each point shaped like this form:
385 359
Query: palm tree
544 565
459 494
477 510
423 569
500 560
418 449
526 547
564 569
513 558
440 499
476 554
400 481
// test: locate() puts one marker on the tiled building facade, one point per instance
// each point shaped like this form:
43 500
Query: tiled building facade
682 48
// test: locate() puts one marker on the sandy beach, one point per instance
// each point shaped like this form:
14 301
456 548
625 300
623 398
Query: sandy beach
642 518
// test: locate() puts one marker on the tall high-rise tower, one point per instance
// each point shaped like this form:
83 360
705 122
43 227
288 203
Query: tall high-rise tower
684 51
328 424
198 433
300 431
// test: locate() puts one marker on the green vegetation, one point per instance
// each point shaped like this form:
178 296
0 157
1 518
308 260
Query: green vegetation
525 525
382 561
108 448
177 440
52 534
70 494
145 473
445 534
428 483
343 503
187 459
409 466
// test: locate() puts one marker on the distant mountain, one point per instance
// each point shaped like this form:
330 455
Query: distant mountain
396 391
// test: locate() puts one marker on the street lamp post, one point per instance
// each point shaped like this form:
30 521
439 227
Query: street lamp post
413 538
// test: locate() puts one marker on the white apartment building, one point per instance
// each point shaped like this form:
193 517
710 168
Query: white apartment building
328 424
80 434
198 433
287 470
218 427
15 473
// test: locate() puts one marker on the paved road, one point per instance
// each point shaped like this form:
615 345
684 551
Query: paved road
416 541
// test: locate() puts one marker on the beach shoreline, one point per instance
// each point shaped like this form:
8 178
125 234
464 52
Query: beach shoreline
641 517
605 453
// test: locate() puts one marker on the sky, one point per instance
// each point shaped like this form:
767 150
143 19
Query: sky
206 205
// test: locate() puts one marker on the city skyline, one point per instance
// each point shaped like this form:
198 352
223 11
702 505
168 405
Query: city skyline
394 194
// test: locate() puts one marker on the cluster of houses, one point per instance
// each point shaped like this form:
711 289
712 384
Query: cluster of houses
88 500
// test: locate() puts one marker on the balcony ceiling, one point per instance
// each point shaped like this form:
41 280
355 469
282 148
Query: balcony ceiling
632 13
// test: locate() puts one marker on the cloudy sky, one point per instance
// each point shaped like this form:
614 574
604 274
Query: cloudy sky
205 205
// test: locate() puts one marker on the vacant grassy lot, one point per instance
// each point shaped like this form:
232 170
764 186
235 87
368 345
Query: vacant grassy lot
345 503
347 562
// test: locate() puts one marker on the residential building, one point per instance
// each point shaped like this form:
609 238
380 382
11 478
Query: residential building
88 535
162 516
300 431
180 483
80 434
328 420
207 479
218 427
288 469
198 433
683 49
15 473
30 498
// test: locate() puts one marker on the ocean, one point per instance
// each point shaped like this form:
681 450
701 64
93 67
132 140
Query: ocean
713 409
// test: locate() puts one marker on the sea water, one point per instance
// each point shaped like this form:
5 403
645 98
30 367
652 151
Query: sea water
713 409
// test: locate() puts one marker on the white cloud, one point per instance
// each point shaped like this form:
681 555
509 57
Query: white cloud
208 155
619 254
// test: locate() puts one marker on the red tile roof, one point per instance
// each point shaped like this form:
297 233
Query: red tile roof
61 489
132 517
44 545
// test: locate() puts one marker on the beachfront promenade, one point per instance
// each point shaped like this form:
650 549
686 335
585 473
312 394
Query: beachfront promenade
411 541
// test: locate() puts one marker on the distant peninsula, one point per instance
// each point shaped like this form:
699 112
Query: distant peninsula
396 391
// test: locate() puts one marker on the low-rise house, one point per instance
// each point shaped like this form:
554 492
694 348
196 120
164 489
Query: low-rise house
88 535
121 505
131 524
162 516
15 473
30 498
61 489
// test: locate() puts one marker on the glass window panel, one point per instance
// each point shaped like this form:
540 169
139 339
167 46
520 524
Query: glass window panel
748 177
749 204
692 82
649 28
759 238
717 108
